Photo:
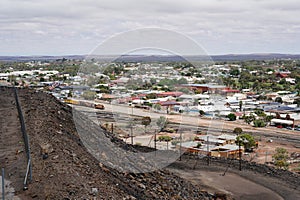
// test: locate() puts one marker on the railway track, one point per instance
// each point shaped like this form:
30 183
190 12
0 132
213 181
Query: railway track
273 134
12 149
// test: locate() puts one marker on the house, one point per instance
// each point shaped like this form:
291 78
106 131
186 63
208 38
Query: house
167 94
282 123
216 146
209 88
226 151
283 74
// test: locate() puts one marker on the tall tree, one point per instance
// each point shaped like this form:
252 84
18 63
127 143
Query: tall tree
146 121
162 122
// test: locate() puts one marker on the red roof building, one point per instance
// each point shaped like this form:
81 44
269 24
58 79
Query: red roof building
167 94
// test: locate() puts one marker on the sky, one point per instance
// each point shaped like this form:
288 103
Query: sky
76 27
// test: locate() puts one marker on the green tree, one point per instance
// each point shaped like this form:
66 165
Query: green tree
231 117
89 95
280 158
151 96
238 130
184 90
146 121
262 97
165 138
259 123
297 101
279 100
268 118
182 81
260 113
162 122
249 119
157 106
198 145
234 72
201 112
246 140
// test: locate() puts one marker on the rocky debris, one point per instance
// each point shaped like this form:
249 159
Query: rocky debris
71 172
295 155
9 190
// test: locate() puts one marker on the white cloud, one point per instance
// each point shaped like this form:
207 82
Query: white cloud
76 27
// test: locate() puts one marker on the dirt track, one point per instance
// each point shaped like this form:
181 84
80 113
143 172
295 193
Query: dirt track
235 185
254 179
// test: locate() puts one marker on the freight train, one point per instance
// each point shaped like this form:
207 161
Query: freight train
84 103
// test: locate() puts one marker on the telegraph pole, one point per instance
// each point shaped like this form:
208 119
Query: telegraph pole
155 142
240 155
131 124
180 150
131 135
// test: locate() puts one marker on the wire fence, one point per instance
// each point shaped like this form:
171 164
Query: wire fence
28 175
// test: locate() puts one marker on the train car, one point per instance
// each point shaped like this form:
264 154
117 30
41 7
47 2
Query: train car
99 106
86 104
71 101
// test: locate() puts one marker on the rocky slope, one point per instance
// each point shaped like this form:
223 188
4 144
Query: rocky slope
63 168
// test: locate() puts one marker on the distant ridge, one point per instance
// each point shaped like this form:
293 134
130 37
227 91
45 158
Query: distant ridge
159 58
40 58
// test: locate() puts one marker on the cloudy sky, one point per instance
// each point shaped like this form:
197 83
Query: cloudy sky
65 27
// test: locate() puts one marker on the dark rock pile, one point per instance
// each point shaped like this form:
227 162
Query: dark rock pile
69 171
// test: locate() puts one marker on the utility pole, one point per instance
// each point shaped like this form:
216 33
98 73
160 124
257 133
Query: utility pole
155 143
155 140
131 124
240 155
131 134
180 146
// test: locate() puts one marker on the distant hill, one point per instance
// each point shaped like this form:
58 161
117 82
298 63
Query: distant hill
244 57
39 58
159 58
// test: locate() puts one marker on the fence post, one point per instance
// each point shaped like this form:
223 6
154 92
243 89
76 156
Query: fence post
3 186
